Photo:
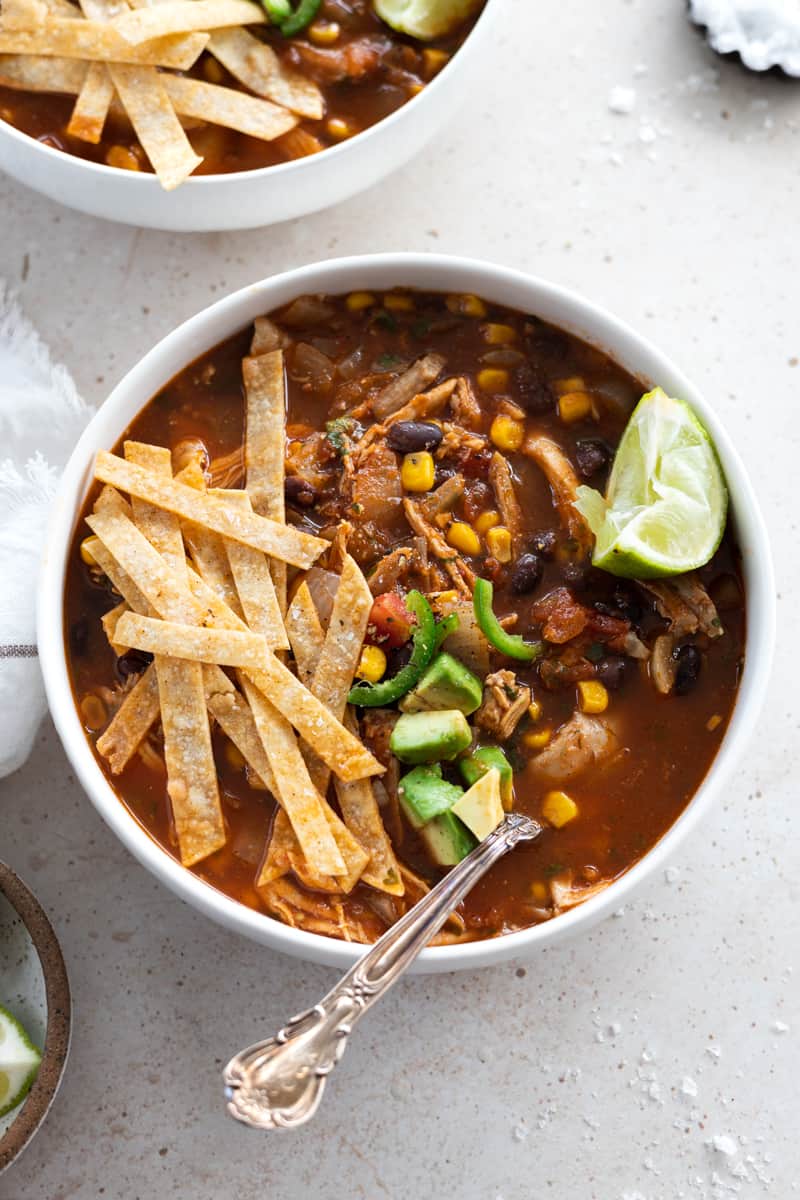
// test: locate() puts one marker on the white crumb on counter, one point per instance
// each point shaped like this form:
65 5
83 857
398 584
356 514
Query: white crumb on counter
622 100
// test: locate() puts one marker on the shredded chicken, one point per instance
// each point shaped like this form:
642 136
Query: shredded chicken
564 484
567 894
502 484
392 568
424 405
505 702
338 551
317 913
663 664
459 443
413 381
352 61
376 730
464 405
686 604
581 743
445 497
462 576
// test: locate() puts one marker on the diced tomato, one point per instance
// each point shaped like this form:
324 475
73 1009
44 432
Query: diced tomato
390 623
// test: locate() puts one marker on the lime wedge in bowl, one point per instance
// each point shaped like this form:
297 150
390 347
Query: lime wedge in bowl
425 19
19 1062
665 506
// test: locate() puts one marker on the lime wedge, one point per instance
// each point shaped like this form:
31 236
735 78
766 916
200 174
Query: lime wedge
425 19
665 507
19 1062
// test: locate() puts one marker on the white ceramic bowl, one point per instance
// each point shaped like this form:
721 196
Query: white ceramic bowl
250 199
227 317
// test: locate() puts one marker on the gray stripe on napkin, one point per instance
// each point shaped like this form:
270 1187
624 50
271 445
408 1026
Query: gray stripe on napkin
18 652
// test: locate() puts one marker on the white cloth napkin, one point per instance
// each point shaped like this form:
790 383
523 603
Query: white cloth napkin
41 417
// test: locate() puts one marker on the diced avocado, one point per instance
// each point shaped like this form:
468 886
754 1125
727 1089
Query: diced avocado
481 808
425 18
430 736
447 840
425 795
445 684
483 759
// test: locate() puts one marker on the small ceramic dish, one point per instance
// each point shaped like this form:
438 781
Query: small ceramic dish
34 986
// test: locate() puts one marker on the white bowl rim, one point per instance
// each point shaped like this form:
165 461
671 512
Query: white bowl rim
205 330
148 181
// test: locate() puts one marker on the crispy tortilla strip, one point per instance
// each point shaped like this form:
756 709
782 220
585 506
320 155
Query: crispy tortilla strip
208 554
232 713
305 633
162 529
91 108
363 818
92 41
275 863
257 66
23 14
296 793
419 376
191 773
254 585
224 647
186 16
131 723
163 139
265 445
109 623
157 585
282 541
120 578
33 73
284 855
225 106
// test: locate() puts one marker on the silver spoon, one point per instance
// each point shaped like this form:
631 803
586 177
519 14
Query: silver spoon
278 1084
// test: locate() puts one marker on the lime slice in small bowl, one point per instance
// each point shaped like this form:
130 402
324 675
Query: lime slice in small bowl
19 1062
666 504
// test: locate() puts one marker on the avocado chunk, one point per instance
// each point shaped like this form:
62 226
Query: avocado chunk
424 794
447 840
474 765
445 684
425 19
429 736
480 808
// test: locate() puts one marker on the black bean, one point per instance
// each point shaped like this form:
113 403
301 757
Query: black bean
576 574
409 437
592 456
442 473
611 670
628 603
79 637
526 574
532 390
299 491
544 543
133 663
689 663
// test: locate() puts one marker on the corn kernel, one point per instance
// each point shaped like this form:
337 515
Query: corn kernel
506 433
498 542
574 384
340 129
540 891
592 696
713 722
538 740
534 710
234 756
487 521
418 471
574 406
398 303
559 809
442 600
372 664
123 159
358 301
493 379
463 537
433 61
499 335
415 89
467 306
324 33
86 551
93 711
212 70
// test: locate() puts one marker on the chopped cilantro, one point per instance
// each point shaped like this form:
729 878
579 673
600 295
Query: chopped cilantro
338 434
388 362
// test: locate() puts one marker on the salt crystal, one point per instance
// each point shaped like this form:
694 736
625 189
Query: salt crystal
723 1144
622 100
520 1133
780 1026
615 1028
714 1051
688 1086
616 160
672 874
647 135
639 70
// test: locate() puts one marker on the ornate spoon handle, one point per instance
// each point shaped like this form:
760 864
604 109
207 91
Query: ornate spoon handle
278 1083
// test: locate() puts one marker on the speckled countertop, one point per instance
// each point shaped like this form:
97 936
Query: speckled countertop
657 1058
